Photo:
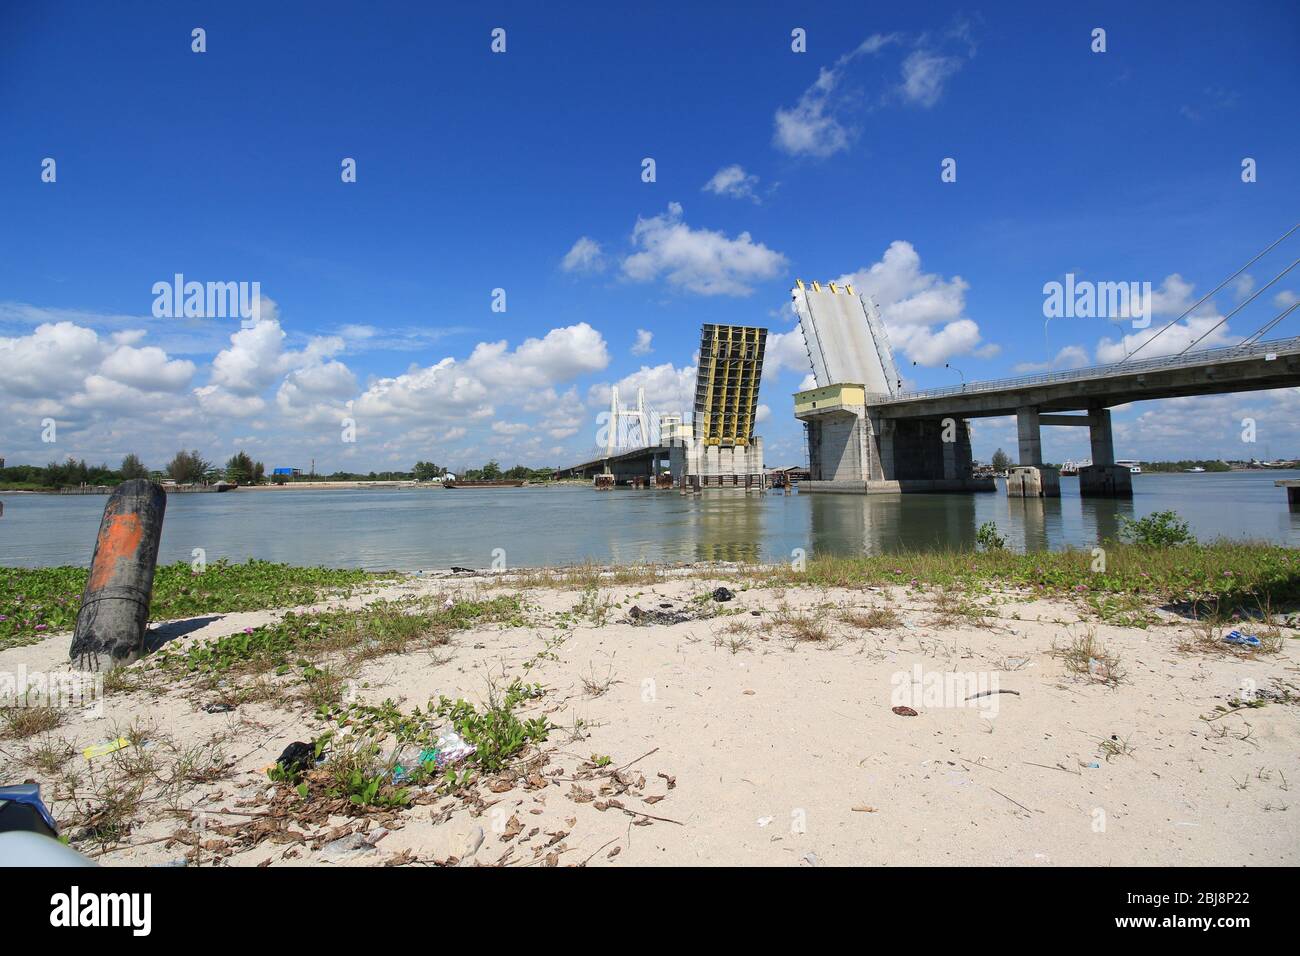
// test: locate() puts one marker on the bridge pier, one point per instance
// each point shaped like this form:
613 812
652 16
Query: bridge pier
1031 478
1103 478
854 449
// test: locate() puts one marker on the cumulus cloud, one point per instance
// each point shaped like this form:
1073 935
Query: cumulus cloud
784 351
668 389
60 360
1176 338
733 181
148 369
37 365
702 261
450 389
584 256
1072 356
923 312
1173 297
642 344
264 390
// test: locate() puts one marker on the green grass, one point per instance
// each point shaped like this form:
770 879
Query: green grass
1228 572
37 601
385 627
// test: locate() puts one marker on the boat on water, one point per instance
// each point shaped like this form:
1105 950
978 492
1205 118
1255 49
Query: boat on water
1195 470
483 483
1134 467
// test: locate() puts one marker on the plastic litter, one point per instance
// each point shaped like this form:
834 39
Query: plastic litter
21 808
297 756
723 594
450 749
102 750
1246 640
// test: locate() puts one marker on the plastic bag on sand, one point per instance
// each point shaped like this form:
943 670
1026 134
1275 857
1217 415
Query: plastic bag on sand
450 749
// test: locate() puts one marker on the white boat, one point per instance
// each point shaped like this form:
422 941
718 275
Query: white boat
1134 467
1195 470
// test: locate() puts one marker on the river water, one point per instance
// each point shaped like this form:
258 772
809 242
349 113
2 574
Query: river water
425 528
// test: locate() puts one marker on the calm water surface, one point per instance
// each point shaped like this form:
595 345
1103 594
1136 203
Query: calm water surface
421 528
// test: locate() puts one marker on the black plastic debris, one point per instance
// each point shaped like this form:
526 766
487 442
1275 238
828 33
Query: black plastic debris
297 756
723 594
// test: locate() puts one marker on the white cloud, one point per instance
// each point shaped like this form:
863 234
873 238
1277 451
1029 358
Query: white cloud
668 389
452 389
1173 297
1072 356
698 260
585 256
148 369
642 344
810 127
923 312
733 181
217 401
924 74
1173 340
820 124
253 361
1285 299
784 350
38 365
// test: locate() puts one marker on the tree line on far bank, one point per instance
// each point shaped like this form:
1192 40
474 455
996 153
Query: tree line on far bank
189 467
1002 461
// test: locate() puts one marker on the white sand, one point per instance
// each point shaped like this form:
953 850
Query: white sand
777 748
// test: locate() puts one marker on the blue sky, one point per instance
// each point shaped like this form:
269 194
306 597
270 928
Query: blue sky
522 171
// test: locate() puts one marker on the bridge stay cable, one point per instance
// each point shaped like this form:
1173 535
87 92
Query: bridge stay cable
1266 327
1253 297
1196 305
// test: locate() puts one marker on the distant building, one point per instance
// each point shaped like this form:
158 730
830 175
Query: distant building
673 431
287 472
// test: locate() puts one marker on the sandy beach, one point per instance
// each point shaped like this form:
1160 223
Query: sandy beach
689 730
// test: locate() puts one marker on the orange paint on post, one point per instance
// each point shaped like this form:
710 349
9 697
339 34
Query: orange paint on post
119 540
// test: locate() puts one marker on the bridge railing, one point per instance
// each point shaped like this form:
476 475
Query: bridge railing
1204 357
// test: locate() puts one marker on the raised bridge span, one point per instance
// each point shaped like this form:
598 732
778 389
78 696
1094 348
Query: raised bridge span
866 434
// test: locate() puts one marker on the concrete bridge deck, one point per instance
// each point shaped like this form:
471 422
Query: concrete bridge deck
1264 365
633 463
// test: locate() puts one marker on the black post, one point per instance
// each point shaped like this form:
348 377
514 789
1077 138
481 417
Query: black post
115 606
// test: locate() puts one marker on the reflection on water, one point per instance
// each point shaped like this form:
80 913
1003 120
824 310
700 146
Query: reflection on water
428 528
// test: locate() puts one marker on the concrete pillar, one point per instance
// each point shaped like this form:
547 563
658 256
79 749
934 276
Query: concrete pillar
949 457
1103 478
1029 434
887 449
1103 445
